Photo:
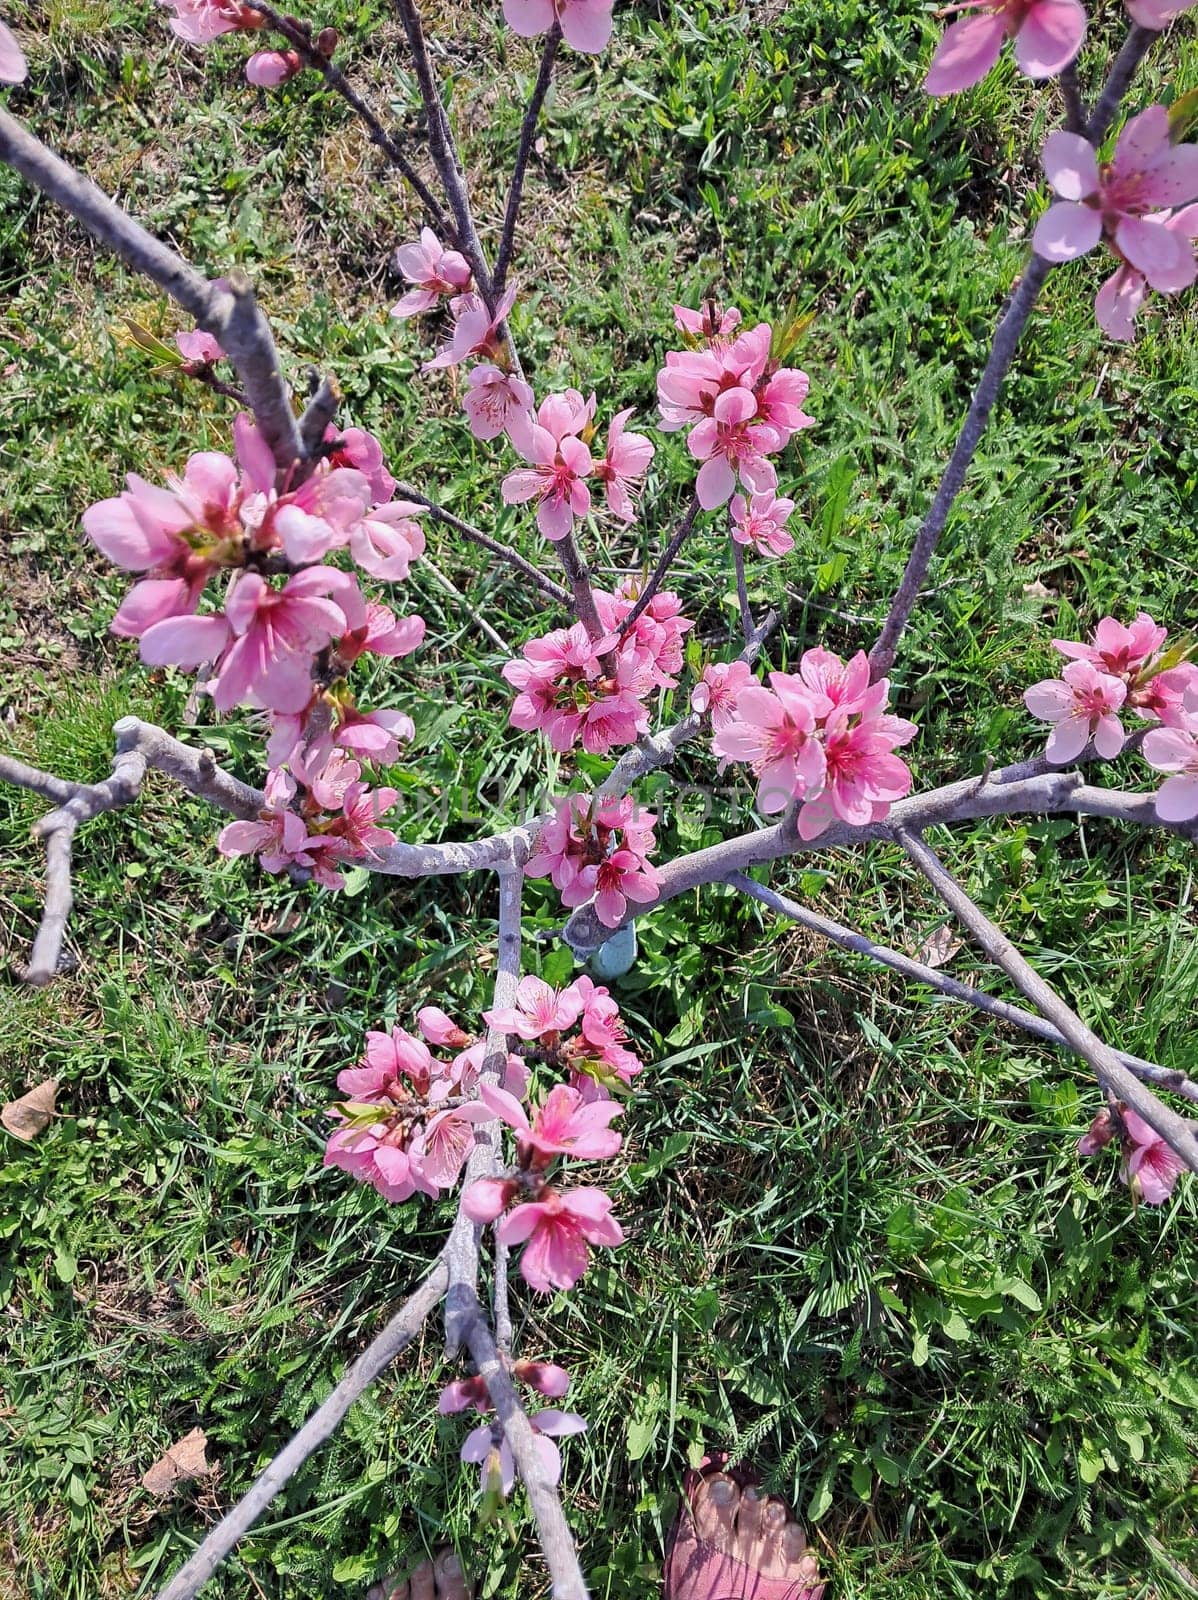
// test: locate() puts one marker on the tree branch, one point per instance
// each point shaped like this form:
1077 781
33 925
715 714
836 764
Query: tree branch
677 539
1178 1132
320 1426
556 1540
953 988
1135 47
495 546
742 591
232 317
298 36
507 241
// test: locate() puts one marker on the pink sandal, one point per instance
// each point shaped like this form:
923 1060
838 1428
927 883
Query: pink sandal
696 1570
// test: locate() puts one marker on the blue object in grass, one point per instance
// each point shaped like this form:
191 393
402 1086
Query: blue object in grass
617 956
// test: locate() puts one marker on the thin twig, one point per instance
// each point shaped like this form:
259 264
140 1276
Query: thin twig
507 240
501 1310
301 41
1071 94
742 590
953 988
320 1426
1135 47
668 556
476 616
505 552
1180 1134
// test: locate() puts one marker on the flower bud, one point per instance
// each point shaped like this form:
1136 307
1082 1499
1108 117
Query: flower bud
326 42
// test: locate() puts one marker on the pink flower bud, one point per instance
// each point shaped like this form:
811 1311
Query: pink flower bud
544 1376
488 1198
268 68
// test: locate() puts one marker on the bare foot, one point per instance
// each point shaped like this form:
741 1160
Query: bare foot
736 1544
439 1579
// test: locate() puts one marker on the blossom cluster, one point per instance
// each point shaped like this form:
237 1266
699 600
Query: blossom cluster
1150 1167
740 405
201 21
285 647
594 692
1139 203
1046 34
1125 671
821 736
598 849
407 1124
487 1448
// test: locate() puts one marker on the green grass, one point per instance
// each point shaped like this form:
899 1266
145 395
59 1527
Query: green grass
861 1251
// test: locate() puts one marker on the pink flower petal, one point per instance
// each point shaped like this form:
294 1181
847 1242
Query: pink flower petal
1067 230
1070 165
965 54
1050 37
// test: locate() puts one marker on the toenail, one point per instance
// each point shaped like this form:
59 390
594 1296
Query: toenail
721 1492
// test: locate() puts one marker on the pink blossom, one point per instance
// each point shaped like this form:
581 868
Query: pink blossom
433 270
1099 1134
603 1052
201 21
361 450
566 691
558 1227
488 1198
198 346
844 683
356 835
13 67
439 1028
389 1058
732 445
1152 1166
618 878
444 1146
266 69
718 689
464 1392
1084 704
598 850
377 1156
563 1125
1047 35
1175 750
623 466
494 400
387 540
276 634
373 735
713 324
1146 173
475 330
486 1446
1161 696
279 837
780 398
657 637
775 731
585 24
323 514
539 1010
382 633
863 776
1118 302
1116 649
546 1377
1158 14
559 462
761 522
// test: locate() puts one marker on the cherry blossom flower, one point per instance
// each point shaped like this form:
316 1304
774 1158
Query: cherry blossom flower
487 1448
718 689
546 1377
731 444
1047 34
560 461
565 690
460 1394
201 21
585 24
439 1028
382 633
657 637
1115 648
279 837
623 466
433 270
495 401
774 730
603 1057
761 523
475 330
539 1010
266 69
1175 750
712 323
376 1155
598 850
384 542
563 1125
1160 696
13 66
620 877
444 1146
863 776
1084 704
1157 14
1119 201
555 1230
199 347
1151 1168
357 448
372 735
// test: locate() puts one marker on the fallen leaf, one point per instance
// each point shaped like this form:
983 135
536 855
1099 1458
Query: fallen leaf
939 948
1039 591
25 1118
183 1460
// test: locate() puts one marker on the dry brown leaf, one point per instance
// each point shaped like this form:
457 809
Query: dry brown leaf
1039 591
183 1460
939 948
27 1117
